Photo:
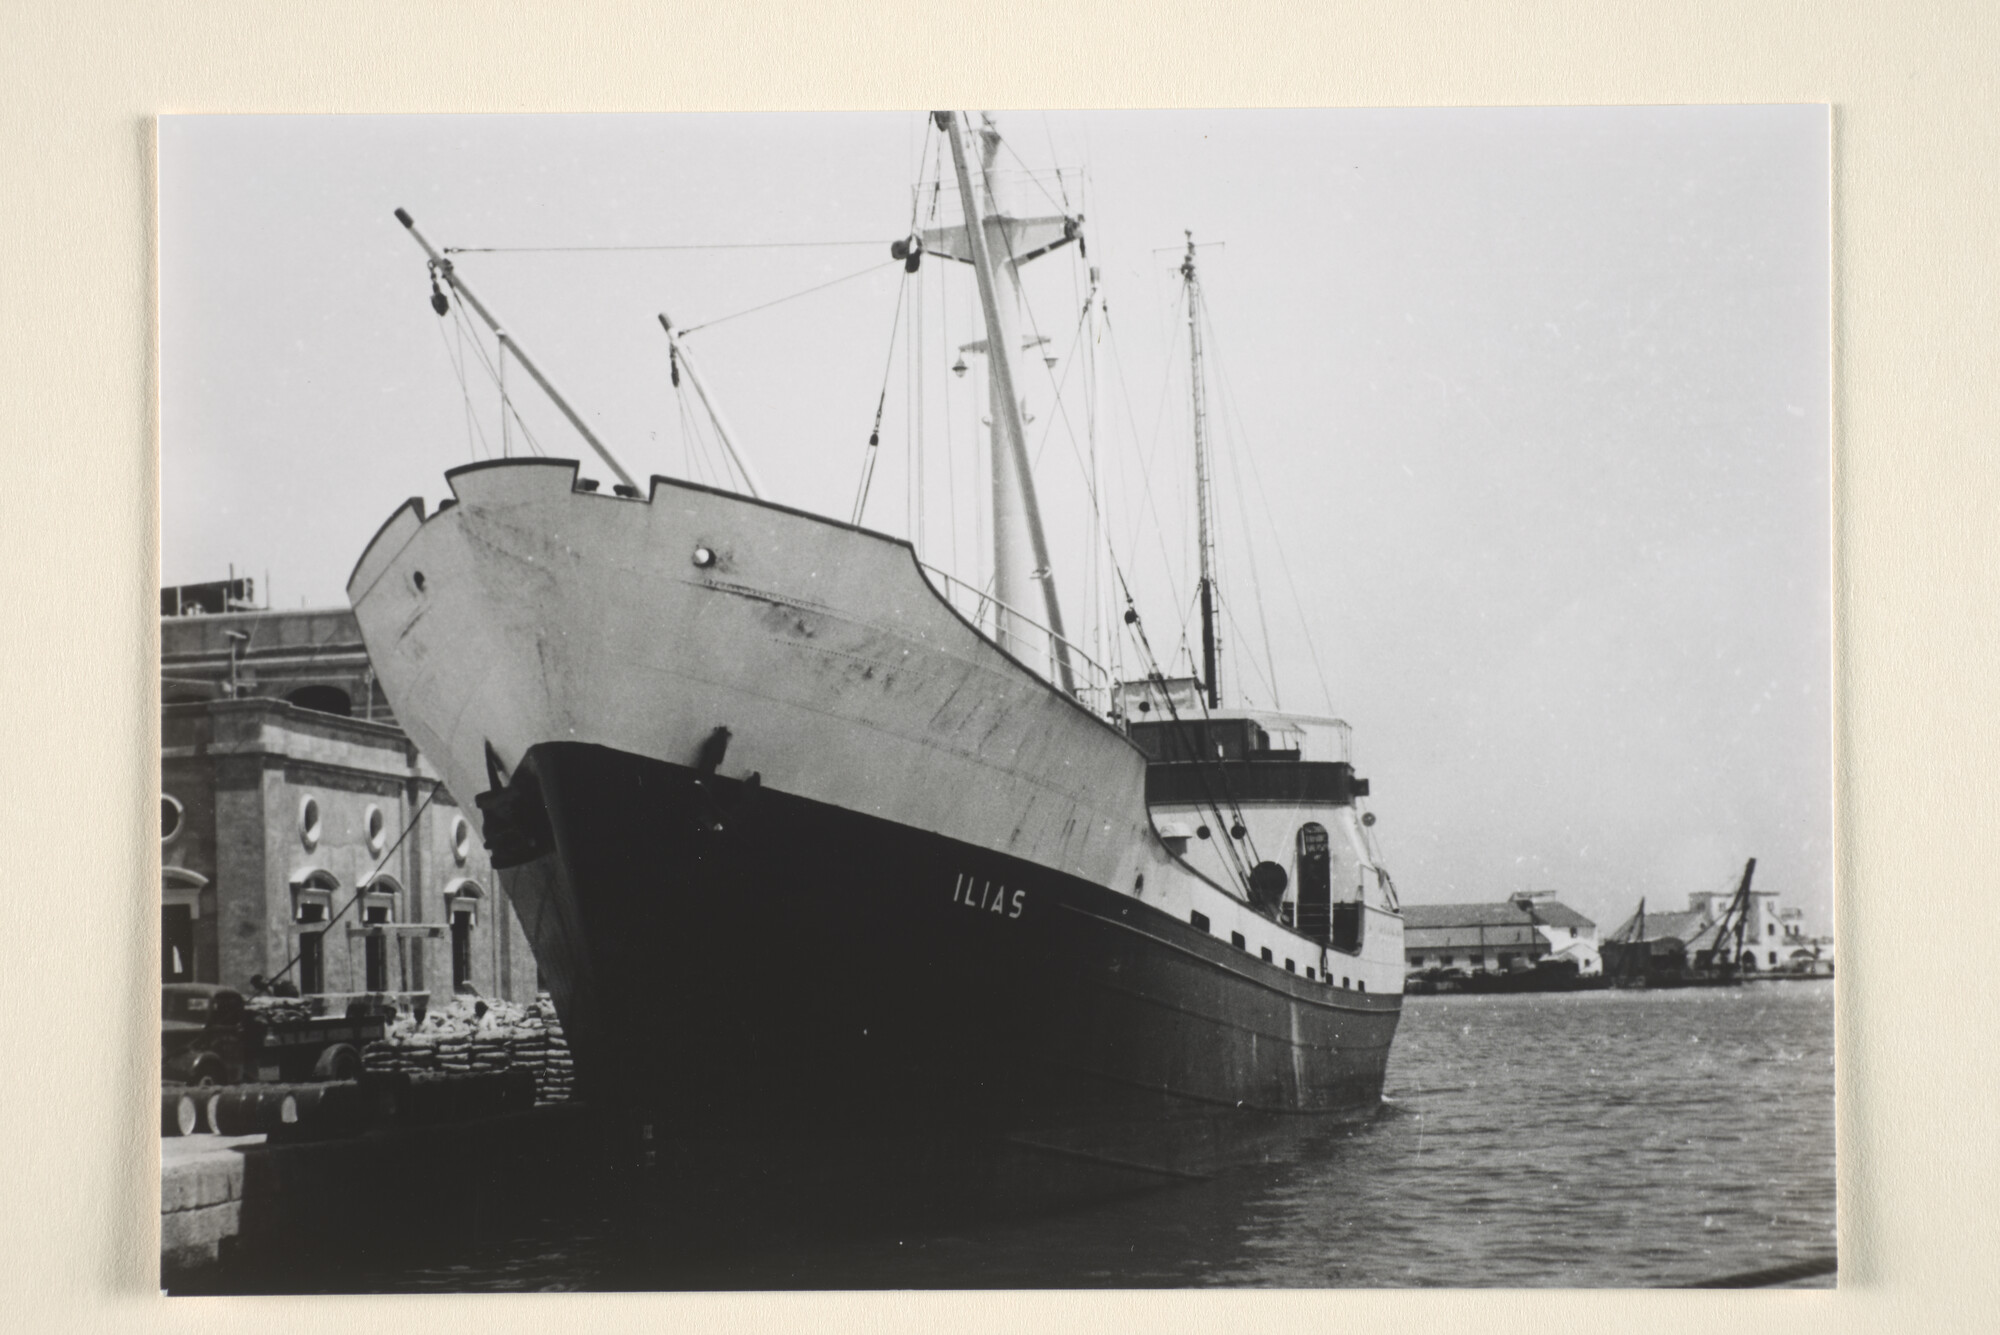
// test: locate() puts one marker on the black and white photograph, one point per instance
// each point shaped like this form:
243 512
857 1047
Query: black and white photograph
1016 699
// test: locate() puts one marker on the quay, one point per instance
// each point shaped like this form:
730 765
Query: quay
229 1201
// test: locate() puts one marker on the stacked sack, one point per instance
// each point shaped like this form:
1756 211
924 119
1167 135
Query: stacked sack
471 1037
405 1048
539 1045
490 1048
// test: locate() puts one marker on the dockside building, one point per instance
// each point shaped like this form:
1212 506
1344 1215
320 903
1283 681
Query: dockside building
1499 937
303 837
1773 938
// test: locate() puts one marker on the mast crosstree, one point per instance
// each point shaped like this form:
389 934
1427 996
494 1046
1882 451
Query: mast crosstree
997 244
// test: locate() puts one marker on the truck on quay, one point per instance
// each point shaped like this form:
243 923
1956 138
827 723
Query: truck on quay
210 1035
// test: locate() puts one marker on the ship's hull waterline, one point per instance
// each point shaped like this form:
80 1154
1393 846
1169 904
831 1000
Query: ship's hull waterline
795 870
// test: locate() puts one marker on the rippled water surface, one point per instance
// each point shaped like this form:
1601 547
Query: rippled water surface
1593 1139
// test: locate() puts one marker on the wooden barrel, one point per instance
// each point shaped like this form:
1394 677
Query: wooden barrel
178 1114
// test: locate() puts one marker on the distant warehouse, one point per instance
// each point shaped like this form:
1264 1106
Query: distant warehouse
1512 935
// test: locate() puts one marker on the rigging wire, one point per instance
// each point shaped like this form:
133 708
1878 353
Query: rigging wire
765 306
684 420
457 360
710 459
1235 856
1264 678
686 245
1059 650
1241 446
471 418
1034 177
913 411
479 350
466 331
881 400
944 332
1148 506
1049 133
1158 678
1067 360
1284 560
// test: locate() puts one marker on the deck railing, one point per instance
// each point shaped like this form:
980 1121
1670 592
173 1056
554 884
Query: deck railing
1093 682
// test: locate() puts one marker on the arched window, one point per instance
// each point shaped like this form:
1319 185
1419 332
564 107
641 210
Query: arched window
461 910
180 907
312 908
312 894
378 911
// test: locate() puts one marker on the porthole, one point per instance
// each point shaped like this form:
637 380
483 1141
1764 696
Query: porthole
377 826
461 841
309 825
170 819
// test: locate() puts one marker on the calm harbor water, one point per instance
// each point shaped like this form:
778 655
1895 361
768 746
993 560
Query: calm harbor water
1606 1139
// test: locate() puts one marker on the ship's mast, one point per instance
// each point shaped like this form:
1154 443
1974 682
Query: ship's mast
682 362
1210 649
445 270
1100 595
1021 574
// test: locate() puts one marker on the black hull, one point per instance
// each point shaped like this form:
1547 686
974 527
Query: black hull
742 967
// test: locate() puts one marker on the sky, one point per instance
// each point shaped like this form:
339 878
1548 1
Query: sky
1521 417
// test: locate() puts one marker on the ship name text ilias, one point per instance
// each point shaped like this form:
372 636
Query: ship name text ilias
978 894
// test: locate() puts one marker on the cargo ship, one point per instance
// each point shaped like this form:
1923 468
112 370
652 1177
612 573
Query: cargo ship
813 856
